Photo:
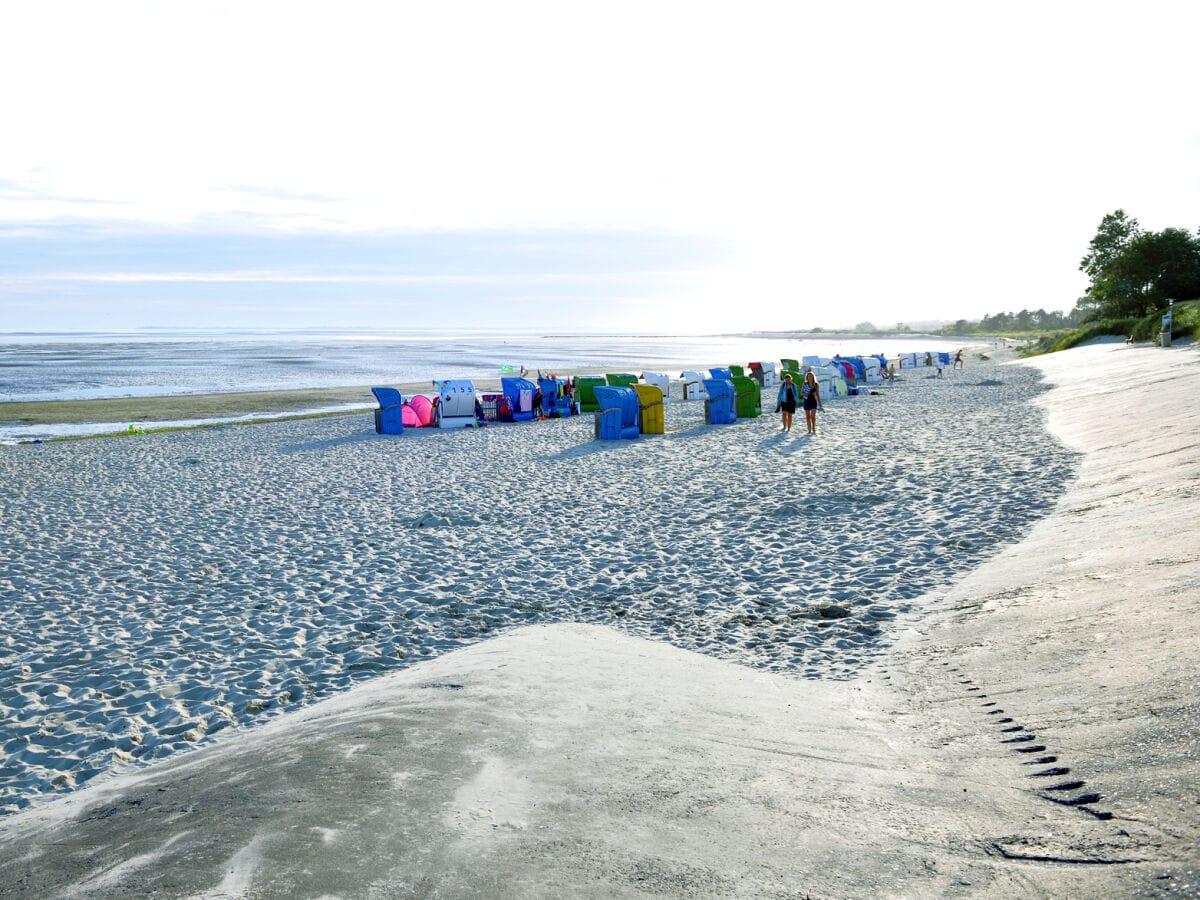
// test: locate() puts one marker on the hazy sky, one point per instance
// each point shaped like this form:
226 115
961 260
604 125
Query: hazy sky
645 165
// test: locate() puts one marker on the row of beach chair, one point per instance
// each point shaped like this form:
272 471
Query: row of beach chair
626 405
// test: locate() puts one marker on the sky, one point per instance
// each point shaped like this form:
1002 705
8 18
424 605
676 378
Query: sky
686 167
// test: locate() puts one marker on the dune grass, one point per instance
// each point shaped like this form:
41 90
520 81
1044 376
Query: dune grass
1186 327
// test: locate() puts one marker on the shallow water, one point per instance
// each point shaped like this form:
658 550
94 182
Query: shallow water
84 367
157 592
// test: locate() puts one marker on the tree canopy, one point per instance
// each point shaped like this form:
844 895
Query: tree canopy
1135 272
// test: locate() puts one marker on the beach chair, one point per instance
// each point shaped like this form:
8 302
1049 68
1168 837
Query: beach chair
650 408
660 381
693 385
519 392
720 374
620 379
810 361
490 404
763 373
789 365
555 402
747 397
389 418
737 371
870 370
585 386
456 404
719 408
617 418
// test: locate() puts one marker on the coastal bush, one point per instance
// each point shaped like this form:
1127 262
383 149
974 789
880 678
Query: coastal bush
1186 325
1186 318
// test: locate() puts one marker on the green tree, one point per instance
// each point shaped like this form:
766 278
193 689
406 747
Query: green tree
1134 272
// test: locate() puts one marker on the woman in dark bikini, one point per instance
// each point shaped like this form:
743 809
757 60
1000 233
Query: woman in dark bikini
812 400
787 401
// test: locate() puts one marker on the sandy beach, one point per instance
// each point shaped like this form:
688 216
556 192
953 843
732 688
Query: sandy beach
946 647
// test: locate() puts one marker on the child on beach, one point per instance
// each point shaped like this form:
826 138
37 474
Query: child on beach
812 401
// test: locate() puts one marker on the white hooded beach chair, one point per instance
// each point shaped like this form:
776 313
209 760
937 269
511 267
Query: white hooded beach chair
770 377
825 376
660 381
456 403
871 369
693 385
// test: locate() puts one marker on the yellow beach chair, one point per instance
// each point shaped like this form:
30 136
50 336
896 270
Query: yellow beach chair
650 399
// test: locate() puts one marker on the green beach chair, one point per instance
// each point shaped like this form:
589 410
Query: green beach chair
747 397
585 392
621 380
737 371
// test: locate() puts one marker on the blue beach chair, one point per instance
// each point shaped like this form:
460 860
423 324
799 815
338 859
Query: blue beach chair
719 407
618 415
389 416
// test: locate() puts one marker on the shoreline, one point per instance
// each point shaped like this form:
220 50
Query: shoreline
221 407
187 406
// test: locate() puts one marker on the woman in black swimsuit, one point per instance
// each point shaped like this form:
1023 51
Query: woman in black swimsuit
787 401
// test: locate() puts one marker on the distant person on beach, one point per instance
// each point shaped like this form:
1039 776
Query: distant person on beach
812 401
787 401
958 363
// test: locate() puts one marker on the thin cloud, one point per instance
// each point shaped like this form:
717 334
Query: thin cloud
275 193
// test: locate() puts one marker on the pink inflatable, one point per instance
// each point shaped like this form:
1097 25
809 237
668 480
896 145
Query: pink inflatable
423 407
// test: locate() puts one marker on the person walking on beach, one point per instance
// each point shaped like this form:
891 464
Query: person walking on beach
787 401
812 400
958 363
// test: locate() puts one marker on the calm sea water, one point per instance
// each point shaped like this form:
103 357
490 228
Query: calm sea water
92 366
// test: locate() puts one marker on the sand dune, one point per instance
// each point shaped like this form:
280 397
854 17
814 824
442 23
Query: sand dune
642 725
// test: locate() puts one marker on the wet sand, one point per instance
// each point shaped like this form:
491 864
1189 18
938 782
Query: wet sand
193 406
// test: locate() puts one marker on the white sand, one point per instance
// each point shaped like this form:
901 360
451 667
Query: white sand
570 759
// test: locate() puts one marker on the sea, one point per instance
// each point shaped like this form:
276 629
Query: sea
38 366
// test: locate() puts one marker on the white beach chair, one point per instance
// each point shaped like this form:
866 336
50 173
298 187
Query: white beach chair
871 370
693 386
660 381
770 375
456 403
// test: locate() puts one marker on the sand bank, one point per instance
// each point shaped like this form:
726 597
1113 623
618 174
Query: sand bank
573 759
